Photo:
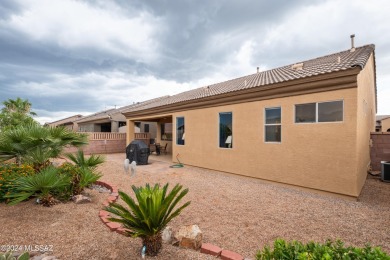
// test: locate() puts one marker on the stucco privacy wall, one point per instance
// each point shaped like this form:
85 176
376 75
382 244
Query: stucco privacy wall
365 119
101 147
380 149
314 155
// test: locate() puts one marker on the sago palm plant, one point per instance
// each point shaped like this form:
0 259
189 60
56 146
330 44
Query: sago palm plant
148 218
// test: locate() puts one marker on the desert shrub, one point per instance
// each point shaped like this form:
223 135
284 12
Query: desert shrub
148 218
79 178
8 174
330 250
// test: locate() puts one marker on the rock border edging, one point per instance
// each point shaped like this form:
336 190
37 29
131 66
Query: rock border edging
206 248
104 215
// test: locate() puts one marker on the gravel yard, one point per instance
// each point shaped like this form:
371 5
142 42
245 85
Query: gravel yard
236 213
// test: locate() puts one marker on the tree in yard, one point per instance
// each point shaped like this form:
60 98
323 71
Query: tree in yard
37 144
16 112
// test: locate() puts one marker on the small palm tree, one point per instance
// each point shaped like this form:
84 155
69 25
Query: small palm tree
41 185
16 112
37 143
148 218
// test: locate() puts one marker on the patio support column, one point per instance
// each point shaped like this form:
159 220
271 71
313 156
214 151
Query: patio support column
130 131
114 126
158 137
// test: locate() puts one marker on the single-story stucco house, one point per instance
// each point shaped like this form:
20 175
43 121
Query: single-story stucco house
68 122
307 124
113 121
109 120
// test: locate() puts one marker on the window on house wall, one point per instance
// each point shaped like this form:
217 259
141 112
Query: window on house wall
226 130
330 111
146 128
180 136
305 113
321 112
273 125
166 132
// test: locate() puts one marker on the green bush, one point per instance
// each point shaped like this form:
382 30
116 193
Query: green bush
8 174
313 251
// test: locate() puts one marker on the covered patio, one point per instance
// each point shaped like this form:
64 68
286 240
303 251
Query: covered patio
163 140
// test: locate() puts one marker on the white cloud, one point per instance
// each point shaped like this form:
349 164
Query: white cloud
304 32
75 24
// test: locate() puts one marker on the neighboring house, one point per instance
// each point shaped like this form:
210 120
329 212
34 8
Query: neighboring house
382 123
68 122
112 120
307 124
105 121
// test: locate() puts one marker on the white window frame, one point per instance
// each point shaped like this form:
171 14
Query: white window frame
219 132
265 125
316 119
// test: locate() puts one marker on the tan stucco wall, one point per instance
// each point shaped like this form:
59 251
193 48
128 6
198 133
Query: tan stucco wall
385 124
320 156
366 111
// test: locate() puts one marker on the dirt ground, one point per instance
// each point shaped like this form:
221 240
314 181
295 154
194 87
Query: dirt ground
236 213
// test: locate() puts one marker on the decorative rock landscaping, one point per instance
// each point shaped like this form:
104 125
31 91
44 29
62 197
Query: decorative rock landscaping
187 236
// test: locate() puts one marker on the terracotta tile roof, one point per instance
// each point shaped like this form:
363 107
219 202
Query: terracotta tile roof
139 105
66 119
99 115
327 64
118 111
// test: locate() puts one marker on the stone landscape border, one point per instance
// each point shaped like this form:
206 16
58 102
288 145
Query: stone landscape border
206 248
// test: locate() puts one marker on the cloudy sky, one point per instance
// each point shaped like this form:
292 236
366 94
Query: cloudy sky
78 57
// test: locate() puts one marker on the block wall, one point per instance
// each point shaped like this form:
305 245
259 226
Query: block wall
380 149
102 147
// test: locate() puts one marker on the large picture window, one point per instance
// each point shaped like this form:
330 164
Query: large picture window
273 127
226 130
331 111
180 134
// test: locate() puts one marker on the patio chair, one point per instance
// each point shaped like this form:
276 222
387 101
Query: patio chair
164 148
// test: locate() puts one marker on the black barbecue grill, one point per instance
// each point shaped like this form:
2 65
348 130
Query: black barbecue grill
137 151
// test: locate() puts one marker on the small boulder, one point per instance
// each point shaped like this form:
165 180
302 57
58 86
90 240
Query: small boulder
167 235
79 199
190 237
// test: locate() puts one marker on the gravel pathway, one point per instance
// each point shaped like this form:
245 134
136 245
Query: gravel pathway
236 213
